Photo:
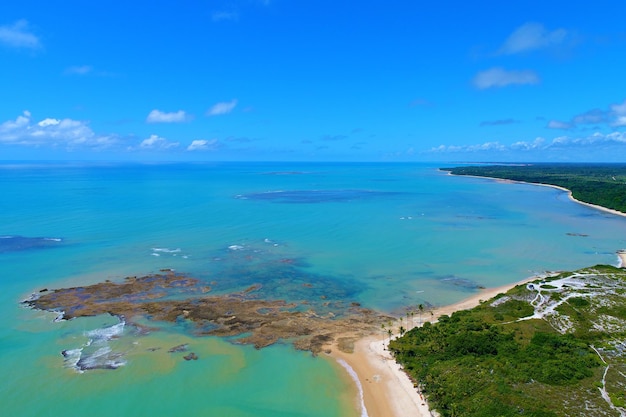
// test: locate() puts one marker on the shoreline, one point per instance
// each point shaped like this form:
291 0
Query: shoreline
558 187
621 255
386 390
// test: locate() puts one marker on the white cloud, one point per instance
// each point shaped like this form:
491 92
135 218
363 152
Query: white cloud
224 15
157 116
499 77
18 35
560 143
527 146
620 121
619 111
594 140
21 121
79 70
155 142
223 107
499 122
532 36
203 145
615 117
48 122
594 116
52 132
555 124
487 146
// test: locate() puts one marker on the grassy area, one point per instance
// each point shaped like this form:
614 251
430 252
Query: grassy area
487 362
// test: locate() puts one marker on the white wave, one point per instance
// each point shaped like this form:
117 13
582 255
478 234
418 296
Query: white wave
235 247
71 357
155 254
102 358
54 239
32 297
167 250
106 333
96 352
60 317
356 380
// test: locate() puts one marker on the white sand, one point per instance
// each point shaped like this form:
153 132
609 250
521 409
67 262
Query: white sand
622 258
387 389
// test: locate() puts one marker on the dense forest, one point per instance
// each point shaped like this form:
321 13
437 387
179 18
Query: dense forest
600 184
540 350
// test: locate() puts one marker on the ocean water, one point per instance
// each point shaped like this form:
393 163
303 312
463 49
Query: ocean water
385 235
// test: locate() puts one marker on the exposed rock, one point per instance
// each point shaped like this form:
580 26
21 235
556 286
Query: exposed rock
260 322
179 348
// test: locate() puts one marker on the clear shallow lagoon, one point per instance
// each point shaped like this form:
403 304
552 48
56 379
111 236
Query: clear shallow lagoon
385 235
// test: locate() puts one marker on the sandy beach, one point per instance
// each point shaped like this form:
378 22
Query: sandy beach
387 390
622 258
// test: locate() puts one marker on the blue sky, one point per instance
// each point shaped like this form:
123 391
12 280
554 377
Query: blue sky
313 80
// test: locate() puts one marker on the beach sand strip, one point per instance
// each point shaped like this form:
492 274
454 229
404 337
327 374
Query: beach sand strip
387 389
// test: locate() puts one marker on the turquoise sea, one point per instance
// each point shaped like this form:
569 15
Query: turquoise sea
385 235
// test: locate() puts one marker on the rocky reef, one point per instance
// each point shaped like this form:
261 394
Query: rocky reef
174 298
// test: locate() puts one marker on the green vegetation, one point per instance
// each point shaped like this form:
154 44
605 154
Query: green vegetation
600 184
487 362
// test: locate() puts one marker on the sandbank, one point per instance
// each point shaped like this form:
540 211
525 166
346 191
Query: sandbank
387 389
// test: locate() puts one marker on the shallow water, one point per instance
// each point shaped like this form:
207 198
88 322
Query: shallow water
387 236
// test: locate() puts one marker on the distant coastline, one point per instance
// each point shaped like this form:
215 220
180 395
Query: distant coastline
506 177
621 254
569 192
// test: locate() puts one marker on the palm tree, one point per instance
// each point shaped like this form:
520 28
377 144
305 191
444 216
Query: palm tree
402 331
421 308
390 334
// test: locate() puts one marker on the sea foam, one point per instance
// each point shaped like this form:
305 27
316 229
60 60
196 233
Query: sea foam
166 250
106 333
356 380
96 353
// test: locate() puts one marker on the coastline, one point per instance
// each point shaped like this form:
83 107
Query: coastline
621 255
386 389
558 187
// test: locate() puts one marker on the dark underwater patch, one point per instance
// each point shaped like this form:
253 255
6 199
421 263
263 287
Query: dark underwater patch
317 196
461 282
23 243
